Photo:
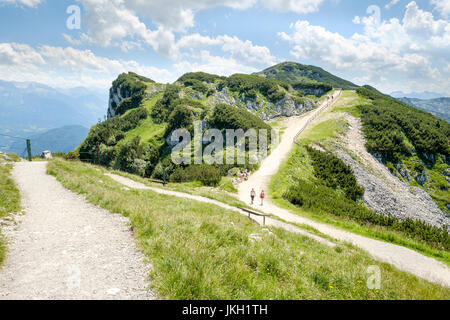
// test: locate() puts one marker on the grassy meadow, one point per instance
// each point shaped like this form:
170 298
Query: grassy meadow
201 251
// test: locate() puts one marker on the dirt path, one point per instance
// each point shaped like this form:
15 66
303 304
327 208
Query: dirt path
67 248
269 221
403 258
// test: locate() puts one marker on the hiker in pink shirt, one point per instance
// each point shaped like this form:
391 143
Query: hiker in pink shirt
262 196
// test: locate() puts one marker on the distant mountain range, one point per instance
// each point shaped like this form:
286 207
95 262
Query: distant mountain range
426 95
28 109
62 139
439 107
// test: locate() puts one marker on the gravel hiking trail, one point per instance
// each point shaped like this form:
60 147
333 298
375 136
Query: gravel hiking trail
268 221
67 248
402 258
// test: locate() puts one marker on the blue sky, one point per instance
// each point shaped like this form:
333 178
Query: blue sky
391 44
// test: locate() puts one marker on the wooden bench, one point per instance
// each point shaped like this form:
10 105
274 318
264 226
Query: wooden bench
157 181
256 213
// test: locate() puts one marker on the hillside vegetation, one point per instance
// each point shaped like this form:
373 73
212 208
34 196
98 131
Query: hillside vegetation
333 189
412 143
143 114
9 200
315 183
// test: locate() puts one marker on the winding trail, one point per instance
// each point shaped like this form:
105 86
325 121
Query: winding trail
269 221
67 248
403 258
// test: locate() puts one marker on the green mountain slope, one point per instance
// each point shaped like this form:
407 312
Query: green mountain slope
292 72
142 115
413 144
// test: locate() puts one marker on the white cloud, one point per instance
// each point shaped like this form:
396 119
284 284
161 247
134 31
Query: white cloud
68 67
27 3
442 6
179 15
244 51
72 41
110 22
213 64
391 4
297 6
20 55
406 52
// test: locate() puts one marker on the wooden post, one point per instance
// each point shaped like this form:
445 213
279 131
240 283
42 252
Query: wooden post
29 149
98 154
164 176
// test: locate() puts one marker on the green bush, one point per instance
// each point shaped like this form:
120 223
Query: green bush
138 166
312 87
107 155
181 117
207 174
127 154
72 155
197 85
250 84
228 117
164 106
200 76
335 173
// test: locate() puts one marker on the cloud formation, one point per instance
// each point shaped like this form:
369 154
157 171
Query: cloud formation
26 3
406 52
442 6
67 67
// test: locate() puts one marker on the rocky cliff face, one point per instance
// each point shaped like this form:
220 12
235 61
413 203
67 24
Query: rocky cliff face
266 110
401 200
114 99
117 94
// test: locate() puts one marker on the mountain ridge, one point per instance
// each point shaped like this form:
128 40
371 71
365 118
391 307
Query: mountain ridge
292 72
440 107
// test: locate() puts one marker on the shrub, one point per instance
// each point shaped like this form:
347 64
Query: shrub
127 154
107 155
229 117
335 173
138 166
72 155
196 85
311 87
200 76
180 117
207 174
164 106
250 84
